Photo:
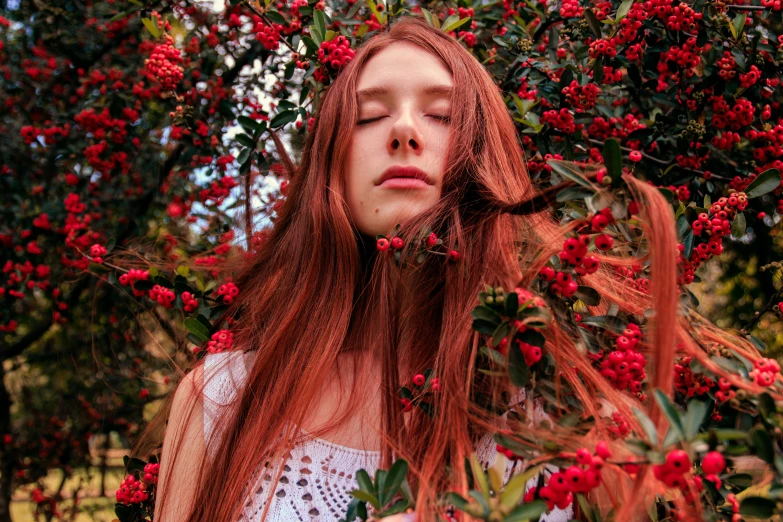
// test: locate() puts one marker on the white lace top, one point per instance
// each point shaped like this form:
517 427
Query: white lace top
318 474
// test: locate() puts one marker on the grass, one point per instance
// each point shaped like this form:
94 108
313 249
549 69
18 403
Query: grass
92 507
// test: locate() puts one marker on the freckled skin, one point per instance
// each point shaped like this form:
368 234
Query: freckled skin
407 132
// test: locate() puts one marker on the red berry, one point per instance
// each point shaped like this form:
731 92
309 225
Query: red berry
382 244
603 242
713 463
418 379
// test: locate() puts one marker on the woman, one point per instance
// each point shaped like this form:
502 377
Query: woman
331 326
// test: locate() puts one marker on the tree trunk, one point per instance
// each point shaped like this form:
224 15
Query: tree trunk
6 457
104 464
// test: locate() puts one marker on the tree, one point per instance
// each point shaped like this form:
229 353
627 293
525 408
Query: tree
121 154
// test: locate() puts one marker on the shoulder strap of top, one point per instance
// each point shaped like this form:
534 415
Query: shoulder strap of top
224 374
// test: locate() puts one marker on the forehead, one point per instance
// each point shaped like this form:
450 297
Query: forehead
403 67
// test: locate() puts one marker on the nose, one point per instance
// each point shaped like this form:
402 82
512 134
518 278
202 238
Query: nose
404 135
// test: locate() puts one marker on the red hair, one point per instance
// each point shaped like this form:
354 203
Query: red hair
318 289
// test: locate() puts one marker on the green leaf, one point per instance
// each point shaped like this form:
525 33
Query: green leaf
512 304
310 44
588 295
764 183
532 337
364 481
593 22
282 118
479 477
393 480
530 511
197 329
739 24
515 488
245 140
198 341
609 322
572 193
151 26
623 10
484 326
669 411
683 227
518 370
366 497
762 444
453 22
738 225
485 313
456 500
500 332
124 513
613 156
244 156
320 21
647 425
694 416
757 507
567 172
250 125
380 480
741 480
276 17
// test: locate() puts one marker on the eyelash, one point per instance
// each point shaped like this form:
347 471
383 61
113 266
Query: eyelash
444 119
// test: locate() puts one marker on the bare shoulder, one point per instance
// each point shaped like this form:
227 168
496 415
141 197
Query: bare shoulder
183 436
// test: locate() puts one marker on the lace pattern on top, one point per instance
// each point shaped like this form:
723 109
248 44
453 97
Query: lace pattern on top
317 474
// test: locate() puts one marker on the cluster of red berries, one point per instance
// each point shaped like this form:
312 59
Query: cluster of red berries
336 53
163 64
189 302
581 98
418 381
227 292
164 296
574 253
688 383
727 66
678 464
775 5
132 276
218 190
672 472
383 244
731 498
715 225
732 117
132 491
221 341
562 120
624 367
724 393
580 478
97 252
603 48
686 58
396 243
268 35
769 143
764 371
571 9
726 140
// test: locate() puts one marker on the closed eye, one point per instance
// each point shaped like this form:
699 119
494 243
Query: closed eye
444 119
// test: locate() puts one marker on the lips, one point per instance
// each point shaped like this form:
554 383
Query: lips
399 171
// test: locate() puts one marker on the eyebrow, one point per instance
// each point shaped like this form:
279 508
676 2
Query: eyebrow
375 92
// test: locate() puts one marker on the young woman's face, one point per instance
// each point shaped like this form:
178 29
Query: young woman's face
404 106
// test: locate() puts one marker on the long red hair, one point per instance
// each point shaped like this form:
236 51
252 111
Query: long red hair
318 289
